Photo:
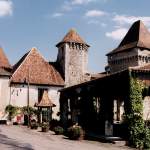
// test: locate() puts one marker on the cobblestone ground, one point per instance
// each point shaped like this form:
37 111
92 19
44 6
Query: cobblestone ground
22 138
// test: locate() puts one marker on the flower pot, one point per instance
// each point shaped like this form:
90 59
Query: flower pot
45 129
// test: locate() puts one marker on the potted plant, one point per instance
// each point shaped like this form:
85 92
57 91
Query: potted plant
33 124
58 130
45 126
75 132
12 111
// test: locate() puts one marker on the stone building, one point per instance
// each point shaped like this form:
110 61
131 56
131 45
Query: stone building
5 72
133 49
32 77
41 76
73 58
100 104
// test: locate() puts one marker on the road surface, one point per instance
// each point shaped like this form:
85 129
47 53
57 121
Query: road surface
22 138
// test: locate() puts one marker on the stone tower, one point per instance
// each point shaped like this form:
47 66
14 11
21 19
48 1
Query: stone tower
73 58
134 49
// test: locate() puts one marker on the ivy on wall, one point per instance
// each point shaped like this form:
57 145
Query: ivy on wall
139 134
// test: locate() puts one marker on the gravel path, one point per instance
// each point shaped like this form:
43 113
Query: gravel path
22 138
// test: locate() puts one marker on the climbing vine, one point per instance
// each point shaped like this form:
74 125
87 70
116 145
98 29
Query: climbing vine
139 134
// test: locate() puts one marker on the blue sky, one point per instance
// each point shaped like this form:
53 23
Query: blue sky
43 23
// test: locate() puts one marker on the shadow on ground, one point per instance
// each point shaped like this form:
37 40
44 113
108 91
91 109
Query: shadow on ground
13 144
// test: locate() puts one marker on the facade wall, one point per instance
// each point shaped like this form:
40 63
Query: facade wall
19 96
4 95
146 110
135 57
121 61
144 57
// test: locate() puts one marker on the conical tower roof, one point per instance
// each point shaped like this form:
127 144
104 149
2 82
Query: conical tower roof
72 36
137 36
45 101
4 63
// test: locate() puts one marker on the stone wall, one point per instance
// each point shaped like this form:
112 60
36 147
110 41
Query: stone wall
4 96
73 58
146 110
121 61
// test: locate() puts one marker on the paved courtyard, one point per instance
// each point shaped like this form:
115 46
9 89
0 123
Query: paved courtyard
22 138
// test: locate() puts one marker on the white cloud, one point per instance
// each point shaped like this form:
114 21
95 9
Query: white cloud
81 2
55 15
68 5
95 13
6 8
123 19
96 22
117 34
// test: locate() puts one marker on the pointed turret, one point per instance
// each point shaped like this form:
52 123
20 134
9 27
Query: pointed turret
4 63
72 58
137 36
72 37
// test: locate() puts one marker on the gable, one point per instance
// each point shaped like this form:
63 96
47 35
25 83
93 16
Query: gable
32 67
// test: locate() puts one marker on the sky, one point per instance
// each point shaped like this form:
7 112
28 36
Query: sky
43 23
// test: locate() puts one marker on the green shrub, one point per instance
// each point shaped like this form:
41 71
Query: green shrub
33 124
11 110
31 110
147 138
75 132
58 130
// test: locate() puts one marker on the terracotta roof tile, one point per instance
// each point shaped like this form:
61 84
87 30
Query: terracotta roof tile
3 60
45 101
137 36
72 36
33 68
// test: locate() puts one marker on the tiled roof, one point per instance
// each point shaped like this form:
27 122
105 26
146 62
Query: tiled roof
34 68
137 36
45 101
4 63
5 72
72 36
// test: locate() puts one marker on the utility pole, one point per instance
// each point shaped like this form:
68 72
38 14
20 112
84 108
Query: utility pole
28 97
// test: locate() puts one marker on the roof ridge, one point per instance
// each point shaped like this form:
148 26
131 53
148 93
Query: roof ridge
137 36
21 63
